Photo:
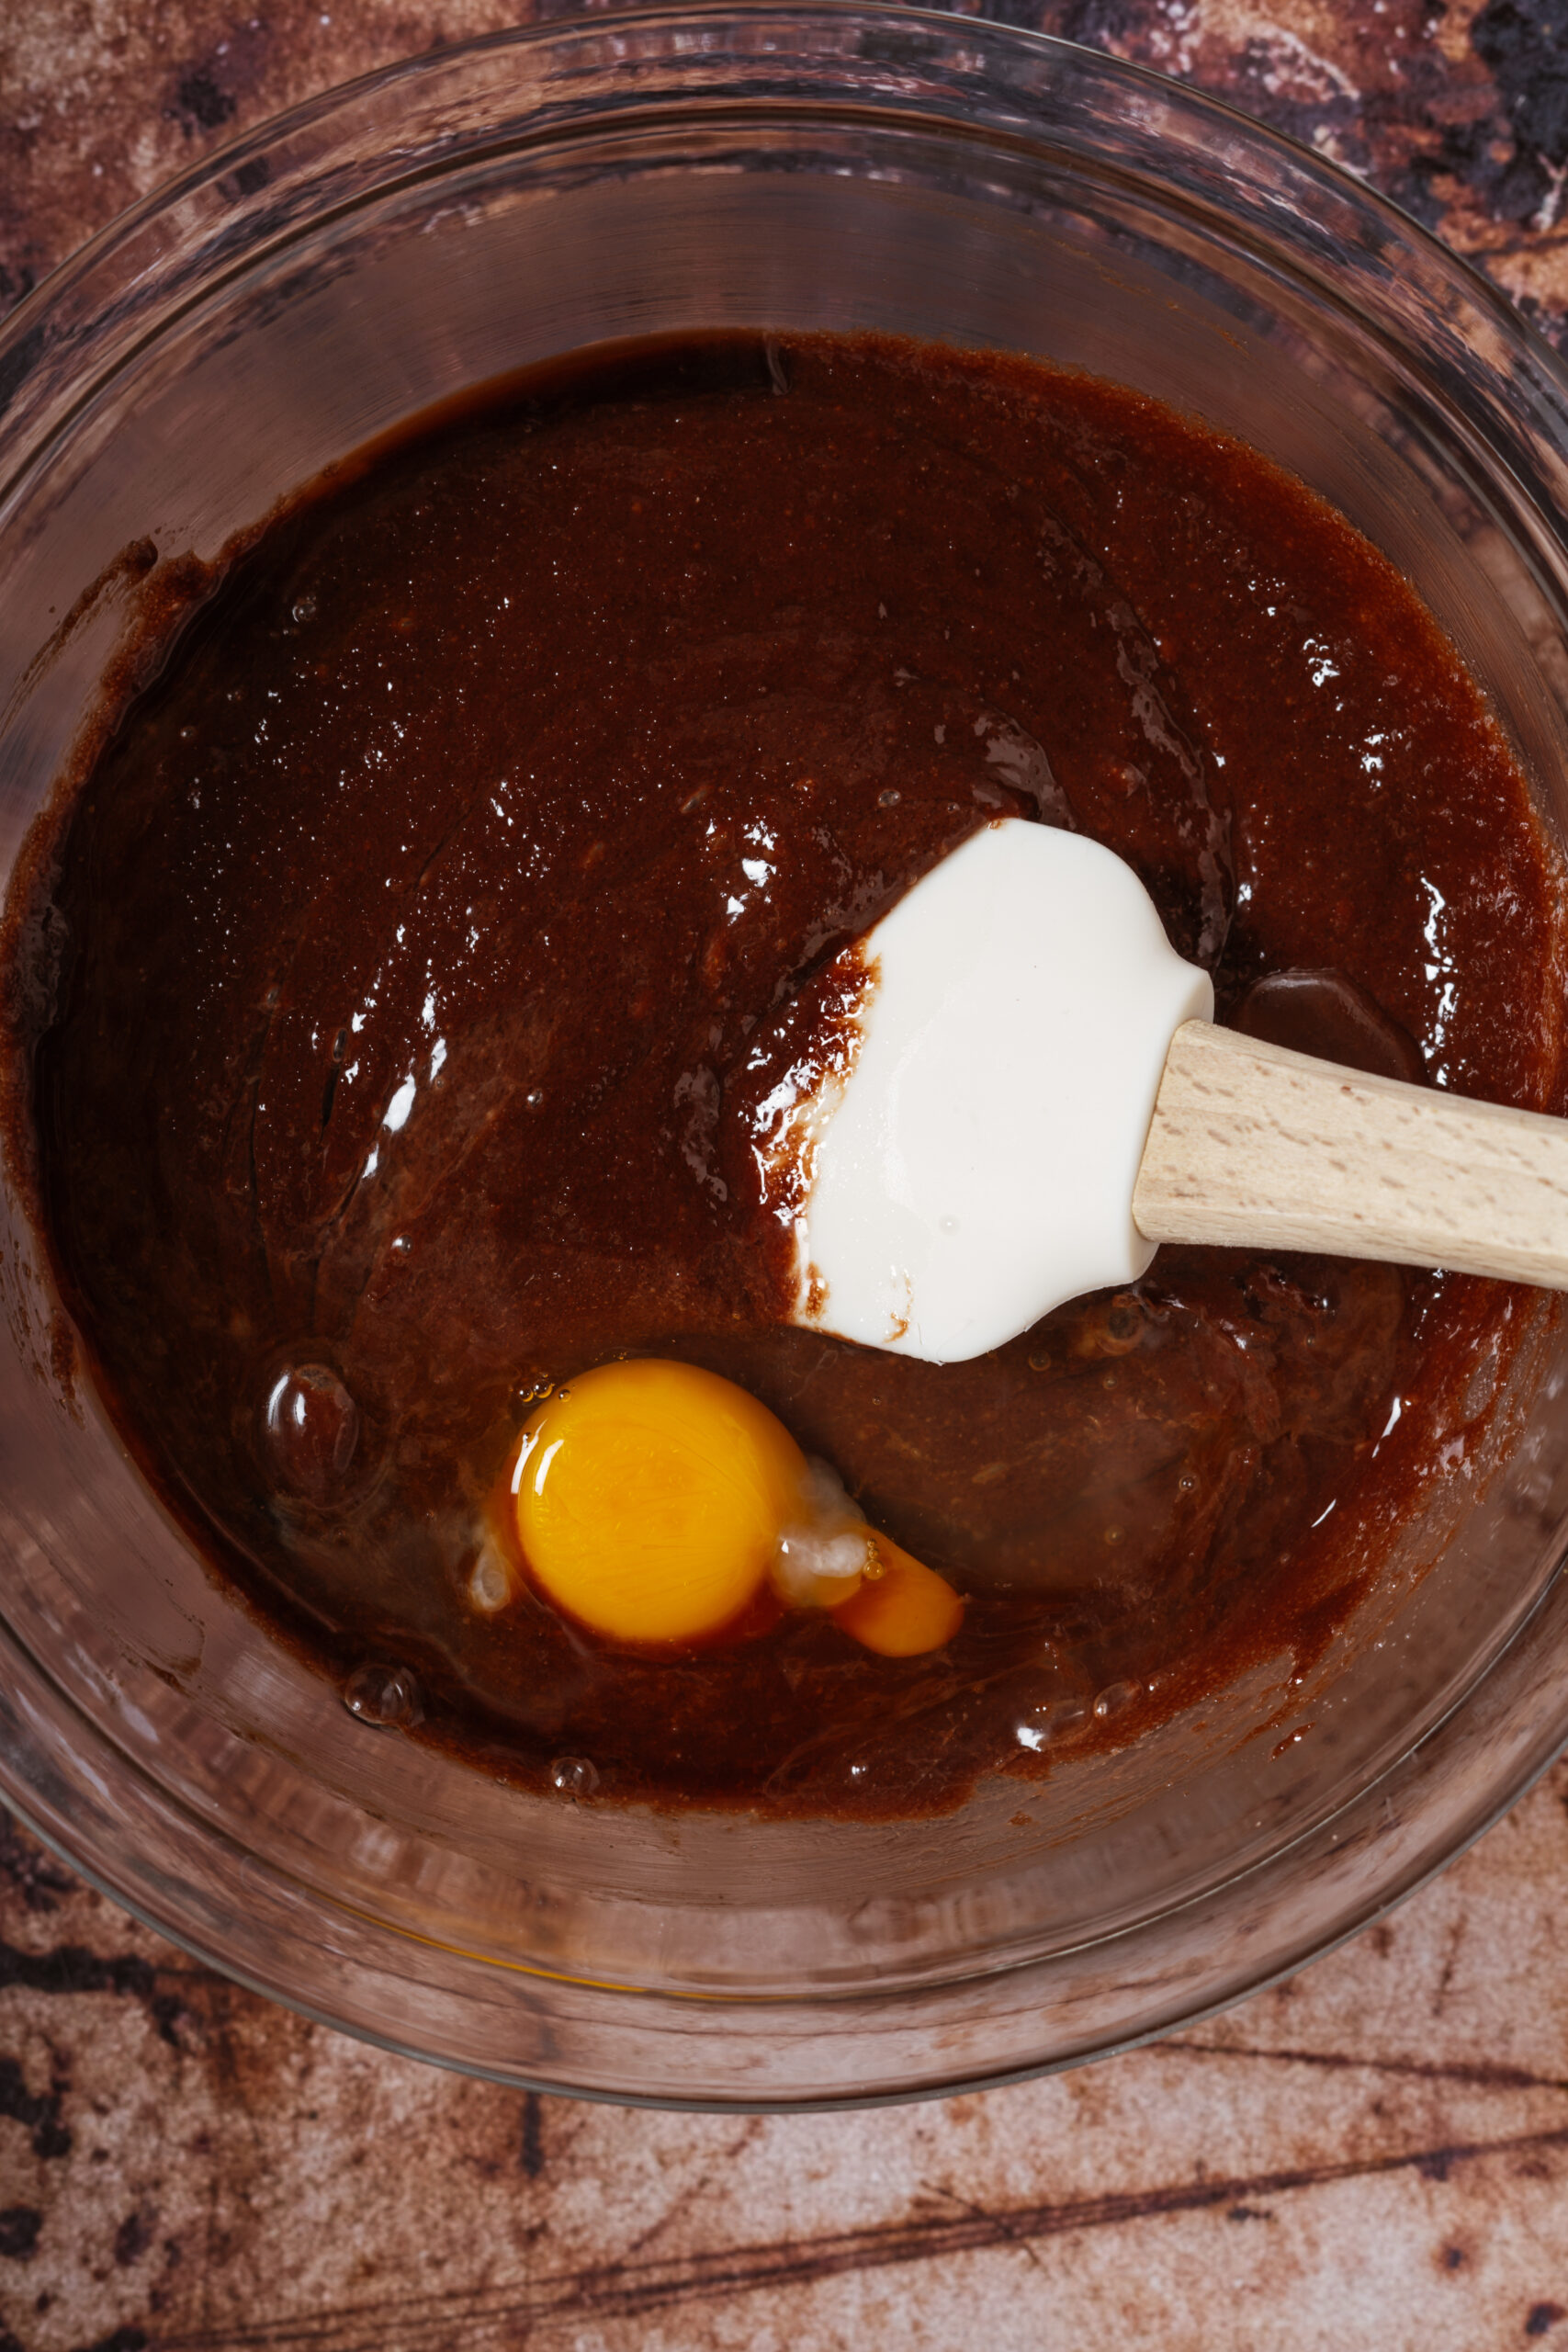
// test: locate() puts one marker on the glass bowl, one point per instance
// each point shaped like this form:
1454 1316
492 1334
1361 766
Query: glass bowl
440 224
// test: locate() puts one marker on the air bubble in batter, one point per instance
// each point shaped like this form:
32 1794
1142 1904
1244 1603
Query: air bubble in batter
387 1697
1052 1721
310 1431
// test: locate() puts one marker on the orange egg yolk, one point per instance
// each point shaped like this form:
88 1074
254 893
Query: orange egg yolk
902 1608
656 1504
650 1499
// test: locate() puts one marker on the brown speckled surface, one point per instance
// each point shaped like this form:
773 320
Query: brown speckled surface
1375 2155
1459 112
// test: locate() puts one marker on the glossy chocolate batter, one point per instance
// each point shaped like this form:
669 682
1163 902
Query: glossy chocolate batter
436 918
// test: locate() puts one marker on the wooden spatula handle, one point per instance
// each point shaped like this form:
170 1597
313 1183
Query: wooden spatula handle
1252 1145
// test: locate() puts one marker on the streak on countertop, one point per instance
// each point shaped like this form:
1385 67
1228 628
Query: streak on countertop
1373 2154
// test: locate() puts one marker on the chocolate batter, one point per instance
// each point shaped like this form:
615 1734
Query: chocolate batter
432 918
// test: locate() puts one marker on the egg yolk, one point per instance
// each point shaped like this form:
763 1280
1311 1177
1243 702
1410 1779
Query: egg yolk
650 1499
902 1608
656 1502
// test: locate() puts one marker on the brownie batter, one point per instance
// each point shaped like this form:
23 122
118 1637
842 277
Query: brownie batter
432 924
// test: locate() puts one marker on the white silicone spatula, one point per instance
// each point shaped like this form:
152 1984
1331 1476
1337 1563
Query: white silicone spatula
1037 1098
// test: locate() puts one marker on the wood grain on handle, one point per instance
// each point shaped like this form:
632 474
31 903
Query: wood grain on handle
1251 1144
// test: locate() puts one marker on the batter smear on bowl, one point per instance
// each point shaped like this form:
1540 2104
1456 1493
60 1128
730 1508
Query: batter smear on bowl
440 921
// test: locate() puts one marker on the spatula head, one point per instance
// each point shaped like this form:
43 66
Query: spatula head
976 1166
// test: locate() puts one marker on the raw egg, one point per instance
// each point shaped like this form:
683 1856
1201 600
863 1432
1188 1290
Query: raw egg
657 1504
650 1499
901 1608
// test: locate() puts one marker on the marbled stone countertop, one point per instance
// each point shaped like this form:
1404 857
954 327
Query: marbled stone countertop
1374 2155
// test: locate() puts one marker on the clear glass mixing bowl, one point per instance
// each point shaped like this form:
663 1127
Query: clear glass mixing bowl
441 224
